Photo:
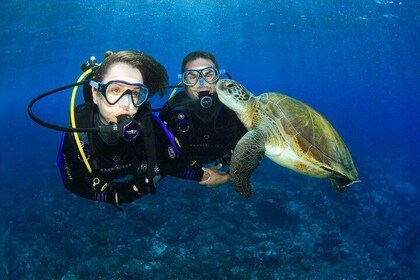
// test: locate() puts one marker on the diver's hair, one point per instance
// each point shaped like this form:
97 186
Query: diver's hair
198 54
154 74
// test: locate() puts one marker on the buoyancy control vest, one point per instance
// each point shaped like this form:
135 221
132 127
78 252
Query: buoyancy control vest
106 158
207 135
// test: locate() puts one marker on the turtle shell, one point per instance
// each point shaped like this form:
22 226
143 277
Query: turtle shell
312 137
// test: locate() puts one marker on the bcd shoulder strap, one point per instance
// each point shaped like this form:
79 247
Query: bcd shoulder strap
149 141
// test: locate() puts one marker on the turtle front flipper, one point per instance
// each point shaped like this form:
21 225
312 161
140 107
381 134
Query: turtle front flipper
247 155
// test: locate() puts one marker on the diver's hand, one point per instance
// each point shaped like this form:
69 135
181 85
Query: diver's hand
212 177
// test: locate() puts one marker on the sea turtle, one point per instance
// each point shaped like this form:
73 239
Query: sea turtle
287 131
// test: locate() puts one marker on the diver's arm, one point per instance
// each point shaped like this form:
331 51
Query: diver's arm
174 164
170 159
182 167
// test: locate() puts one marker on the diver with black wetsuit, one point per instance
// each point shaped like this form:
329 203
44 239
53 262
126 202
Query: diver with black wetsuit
206 129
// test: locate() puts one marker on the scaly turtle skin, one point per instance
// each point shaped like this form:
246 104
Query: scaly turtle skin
287 131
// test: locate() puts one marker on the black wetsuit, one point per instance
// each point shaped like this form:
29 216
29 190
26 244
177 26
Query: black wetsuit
205 135
119 165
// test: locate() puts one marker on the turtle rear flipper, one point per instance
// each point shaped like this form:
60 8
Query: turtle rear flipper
246 157
341 183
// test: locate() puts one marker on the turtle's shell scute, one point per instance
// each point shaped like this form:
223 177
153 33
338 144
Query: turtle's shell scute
310 131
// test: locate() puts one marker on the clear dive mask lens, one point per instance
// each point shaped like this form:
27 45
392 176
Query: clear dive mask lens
114 91
208 74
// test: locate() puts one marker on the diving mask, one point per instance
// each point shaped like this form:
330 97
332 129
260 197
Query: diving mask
207 74
115 90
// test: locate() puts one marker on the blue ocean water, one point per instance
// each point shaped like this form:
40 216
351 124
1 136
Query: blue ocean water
356 62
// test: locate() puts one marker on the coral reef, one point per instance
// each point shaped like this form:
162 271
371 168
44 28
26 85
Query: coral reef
299 228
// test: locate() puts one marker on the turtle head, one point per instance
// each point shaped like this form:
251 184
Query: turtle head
233 94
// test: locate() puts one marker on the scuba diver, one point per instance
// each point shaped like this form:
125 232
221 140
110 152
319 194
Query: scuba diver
206 129
117 149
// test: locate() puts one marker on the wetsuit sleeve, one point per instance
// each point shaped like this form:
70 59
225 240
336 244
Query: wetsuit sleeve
169 157
79 181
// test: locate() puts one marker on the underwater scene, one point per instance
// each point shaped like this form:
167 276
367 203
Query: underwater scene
355 62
